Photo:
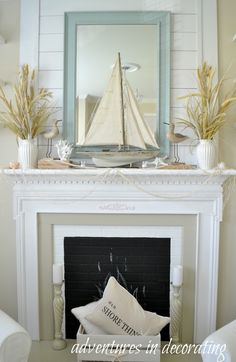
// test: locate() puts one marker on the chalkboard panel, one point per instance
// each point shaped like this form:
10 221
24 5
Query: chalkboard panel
141 265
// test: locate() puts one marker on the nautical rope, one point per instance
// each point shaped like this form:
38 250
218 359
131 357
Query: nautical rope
217 172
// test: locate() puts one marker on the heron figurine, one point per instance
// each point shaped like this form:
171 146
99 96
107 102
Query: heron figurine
54 132
175 139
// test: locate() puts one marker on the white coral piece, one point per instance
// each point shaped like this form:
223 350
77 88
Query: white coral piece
157 163
64 150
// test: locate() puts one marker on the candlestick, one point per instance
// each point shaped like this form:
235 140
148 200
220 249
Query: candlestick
177 279
176 315
57 273
58 308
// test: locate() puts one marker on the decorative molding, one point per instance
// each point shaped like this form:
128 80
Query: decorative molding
117 206
116 176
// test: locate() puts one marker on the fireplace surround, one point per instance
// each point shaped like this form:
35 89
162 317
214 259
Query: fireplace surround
119 192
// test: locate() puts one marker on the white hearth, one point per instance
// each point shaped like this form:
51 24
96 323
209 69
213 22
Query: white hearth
119 192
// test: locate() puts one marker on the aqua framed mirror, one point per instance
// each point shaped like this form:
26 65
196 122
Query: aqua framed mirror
92 41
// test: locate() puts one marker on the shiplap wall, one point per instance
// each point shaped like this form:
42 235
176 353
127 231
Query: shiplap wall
187 36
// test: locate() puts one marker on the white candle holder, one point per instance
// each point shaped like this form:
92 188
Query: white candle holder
58 309
176 314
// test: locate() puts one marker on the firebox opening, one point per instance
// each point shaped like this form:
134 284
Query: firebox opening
140 264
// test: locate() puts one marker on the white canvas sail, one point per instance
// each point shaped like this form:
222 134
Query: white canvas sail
106 127
136 117
118 120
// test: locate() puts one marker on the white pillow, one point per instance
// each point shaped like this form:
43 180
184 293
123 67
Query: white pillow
118 312
81 312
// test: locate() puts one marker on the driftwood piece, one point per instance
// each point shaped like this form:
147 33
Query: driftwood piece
178 166
49 163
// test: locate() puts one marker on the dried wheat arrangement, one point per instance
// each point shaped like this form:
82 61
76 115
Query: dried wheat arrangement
205 111
27 112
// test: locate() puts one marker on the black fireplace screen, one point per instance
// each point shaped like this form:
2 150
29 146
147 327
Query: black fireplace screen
141 265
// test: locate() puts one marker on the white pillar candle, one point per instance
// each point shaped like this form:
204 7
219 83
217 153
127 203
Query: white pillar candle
177 279
57 275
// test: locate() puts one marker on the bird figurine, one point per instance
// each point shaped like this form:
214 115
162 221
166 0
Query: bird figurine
175 138
49 135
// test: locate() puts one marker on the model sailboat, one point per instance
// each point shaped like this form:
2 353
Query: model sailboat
118 122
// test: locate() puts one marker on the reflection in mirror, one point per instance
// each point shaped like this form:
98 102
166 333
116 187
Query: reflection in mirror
97 48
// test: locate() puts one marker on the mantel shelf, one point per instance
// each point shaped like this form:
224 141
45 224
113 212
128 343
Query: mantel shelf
125 171
142 176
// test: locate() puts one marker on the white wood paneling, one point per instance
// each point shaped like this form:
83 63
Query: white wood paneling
29 32
183 79
51 60
183 59
51 79
57 113
207 37
55 7
176 93
52 24
51 43
177 112
57 97
184 23
184 41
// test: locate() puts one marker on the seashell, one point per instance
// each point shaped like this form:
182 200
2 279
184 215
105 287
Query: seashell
14 165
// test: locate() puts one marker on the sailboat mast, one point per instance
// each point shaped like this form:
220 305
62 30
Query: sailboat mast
122 102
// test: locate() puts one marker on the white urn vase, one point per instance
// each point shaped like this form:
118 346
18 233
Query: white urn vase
27 154
206 154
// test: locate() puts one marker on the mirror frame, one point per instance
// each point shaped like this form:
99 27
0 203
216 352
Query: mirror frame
72 20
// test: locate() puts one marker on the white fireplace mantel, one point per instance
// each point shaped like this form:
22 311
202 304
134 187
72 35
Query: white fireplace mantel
119 191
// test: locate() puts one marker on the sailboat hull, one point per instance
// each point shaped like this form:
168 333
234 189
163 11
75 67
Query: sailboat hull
121 158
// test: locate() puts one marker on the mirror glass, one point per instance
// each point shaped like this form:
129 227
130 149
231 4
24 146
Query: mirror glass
97 49
92 43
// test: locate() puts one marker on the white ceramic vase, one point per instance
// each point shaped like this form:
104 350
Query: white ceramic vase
206 154
27 154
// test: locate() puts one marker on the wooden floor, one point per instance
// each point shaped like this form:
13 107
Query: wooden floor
43 352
